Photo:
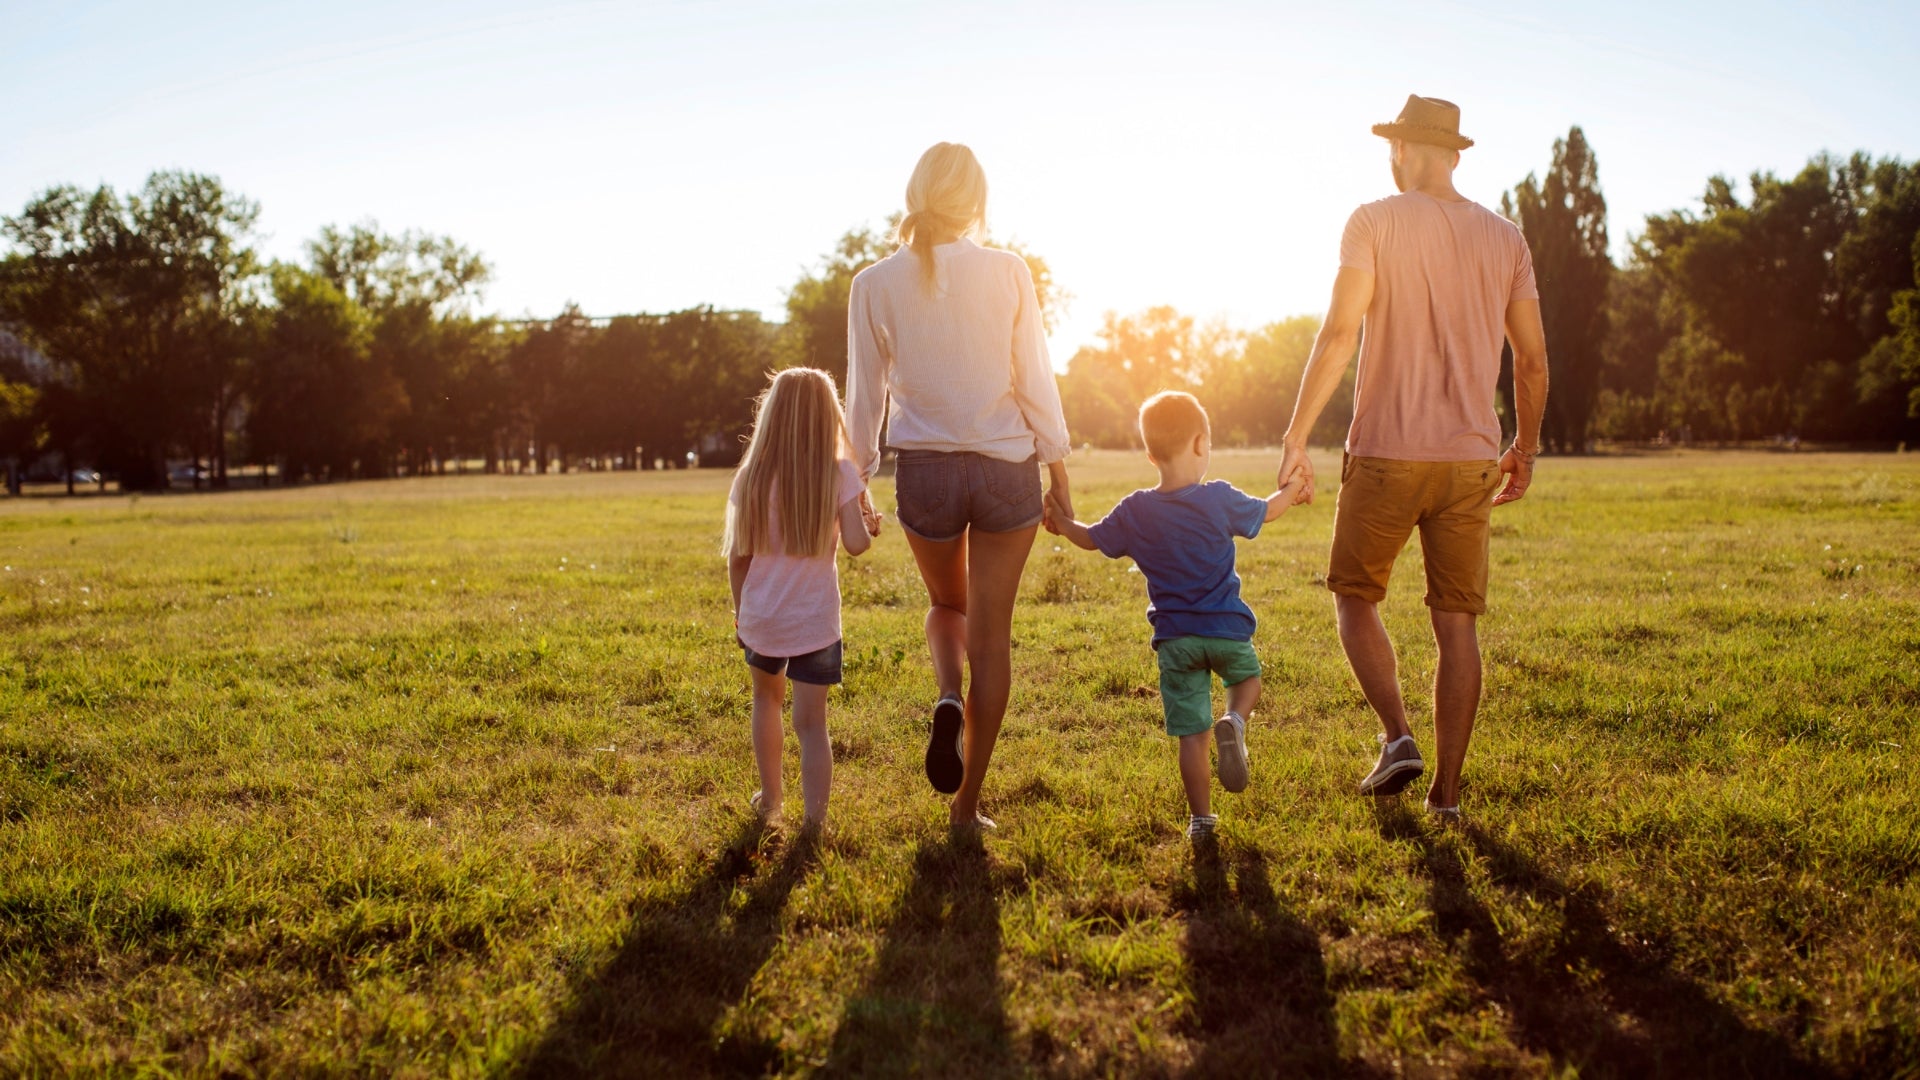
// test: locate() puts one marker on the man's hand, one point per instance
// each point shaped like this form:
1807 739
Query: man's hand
1295 461
1518 468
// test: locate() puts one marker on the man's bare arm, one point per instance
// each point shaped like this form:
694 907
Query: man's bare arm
1529 340
1332 350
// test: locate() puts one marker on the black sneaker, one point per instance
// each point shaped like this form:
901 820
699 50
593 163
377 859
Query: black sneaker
944 767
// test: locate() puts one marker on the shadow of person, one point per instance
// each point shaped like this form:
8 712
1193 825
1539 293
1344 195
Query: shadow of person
934 1004
1586 999
684 960
1261 1006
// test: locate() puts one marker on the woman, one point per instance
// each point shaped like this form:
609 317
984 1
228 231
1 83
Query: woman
945 339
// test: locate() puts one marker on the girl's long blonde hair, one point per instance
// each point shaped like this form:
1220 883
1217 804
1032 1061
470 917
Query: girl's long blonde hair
799 434
946 196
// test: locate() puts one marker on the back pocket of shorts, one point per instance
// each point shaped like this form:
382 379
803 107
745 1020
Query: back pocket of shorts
1013 484
920 483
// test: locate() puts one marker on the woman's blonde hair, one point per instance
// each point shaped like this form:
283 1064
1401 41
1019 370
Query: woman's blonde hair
946 197
799 434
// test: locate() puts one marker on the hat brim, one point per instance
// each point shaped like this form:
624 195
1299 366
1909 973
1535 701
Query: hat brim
1421 133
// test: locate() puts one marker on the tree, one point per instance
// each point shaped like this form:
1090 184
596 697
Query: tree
1140 355
1565 223
321 404
1251 397
139 302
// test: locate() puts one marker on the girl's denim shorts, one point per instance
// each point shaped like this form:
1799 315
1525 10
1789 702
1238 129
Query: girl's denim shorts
941 494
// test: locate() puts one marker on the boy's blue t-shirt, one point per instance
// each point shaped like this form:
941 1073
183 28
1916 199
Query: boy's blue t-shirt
1183 543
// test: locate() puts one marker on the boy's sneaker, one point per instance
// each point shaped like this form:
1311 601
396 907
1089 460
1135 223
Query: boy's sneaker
1230 741
1398 766
1201 828
944 767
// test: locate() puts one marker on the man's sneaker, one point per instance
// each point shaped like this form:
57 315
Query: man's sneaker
1398 766
1230 740
1200 828
944 767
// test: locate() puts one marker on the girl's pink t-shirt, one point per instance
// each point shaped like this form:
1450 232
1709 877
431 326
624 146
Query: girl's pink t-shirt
790 604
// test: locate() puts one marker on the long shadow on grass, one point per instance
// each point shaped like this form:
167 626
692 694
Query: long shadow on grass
1259 984
684 961
934 1003
1589 1000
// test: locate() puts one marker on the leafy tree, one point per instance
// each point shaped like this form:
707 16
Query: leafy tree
1565 222
138 301
1139 355
1251 396
320 403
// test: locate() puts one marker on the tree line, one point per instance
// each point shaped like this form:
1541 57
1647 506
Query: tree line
1794 312
142 330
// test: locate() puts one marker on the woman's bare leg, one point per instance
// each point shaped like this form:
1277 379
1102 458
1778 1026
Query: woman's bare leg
995 562
943 567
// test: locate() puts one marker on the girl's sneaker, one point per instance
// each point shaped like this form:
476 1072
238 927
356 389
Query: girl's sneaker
944 767
758 800
1201 828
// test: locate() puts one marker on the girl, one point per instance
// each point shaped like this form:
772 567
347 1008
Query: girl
794 497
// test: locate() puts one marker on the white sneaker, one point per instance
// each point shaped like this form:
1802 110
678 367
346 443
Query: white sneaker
1230 740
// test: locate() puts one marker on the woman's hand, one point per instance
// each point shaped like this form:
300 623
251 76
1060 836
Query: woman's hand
1059 498
868 514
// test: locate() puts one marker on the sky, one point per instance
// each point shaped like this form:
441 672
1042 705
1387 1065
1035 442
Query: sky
656 156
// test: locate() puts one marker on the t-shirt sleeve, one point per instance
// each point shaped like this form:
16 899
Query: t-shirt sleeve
850 484
1356 242
1245 513
733 490
1110 534
1524 287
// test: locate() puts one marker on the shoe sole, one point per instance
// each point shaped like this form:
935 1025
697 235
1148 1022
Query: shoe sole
944 768
1398 777
1233 756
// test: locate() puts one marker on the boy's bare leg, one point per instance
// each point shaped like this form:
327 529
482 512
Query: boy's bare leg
1196 772
1243 696
769 737
816 751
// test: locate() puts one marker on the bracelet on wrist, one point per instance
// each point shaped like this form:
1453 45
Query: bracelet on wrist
1524 455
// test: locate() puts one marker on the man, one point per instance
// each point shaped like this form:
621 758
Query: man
1436 280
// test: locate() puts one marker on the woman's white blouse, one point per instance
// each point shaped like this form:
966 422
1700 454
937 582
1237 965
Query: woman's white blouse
961 366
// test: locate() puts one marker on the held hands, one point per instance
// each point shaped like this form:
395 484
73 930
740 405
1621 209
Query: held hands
1518 468
1053 515
869 515
1295 464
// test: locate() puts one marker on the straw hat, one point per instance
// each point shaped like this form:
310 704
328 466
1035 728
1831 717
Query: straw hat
1426 120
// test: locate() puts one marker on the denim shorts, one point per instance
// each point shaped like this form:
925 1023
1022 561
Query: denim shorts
821 667
940 494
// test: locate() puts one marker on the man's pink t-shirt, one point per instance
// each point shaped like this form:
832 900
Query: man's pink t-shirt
790 604
1443 275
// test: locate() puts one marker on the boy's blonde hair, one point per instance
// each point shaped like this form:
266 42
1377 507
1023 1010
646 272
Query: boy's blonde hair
1169 421
947 195
799 433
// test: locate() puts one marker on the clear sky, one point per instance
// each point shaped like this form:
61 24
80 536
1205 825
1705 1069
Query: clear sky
654 156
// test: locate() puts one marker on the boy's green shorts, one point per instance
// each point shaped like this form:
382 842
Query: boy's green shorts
1187 668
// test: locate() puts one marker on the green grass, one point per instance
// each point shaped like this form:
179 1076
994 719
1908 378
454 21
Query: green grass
450 777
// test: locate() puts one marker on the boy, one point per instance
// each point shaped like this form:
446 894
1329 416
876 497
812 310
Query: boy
1180 535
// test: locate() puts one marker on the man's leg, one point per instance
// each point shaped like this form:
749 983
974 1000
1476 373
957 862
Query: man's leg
1370 654
1456 700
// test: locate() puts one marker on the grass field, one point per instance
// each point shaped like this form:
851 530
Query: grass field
450 777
